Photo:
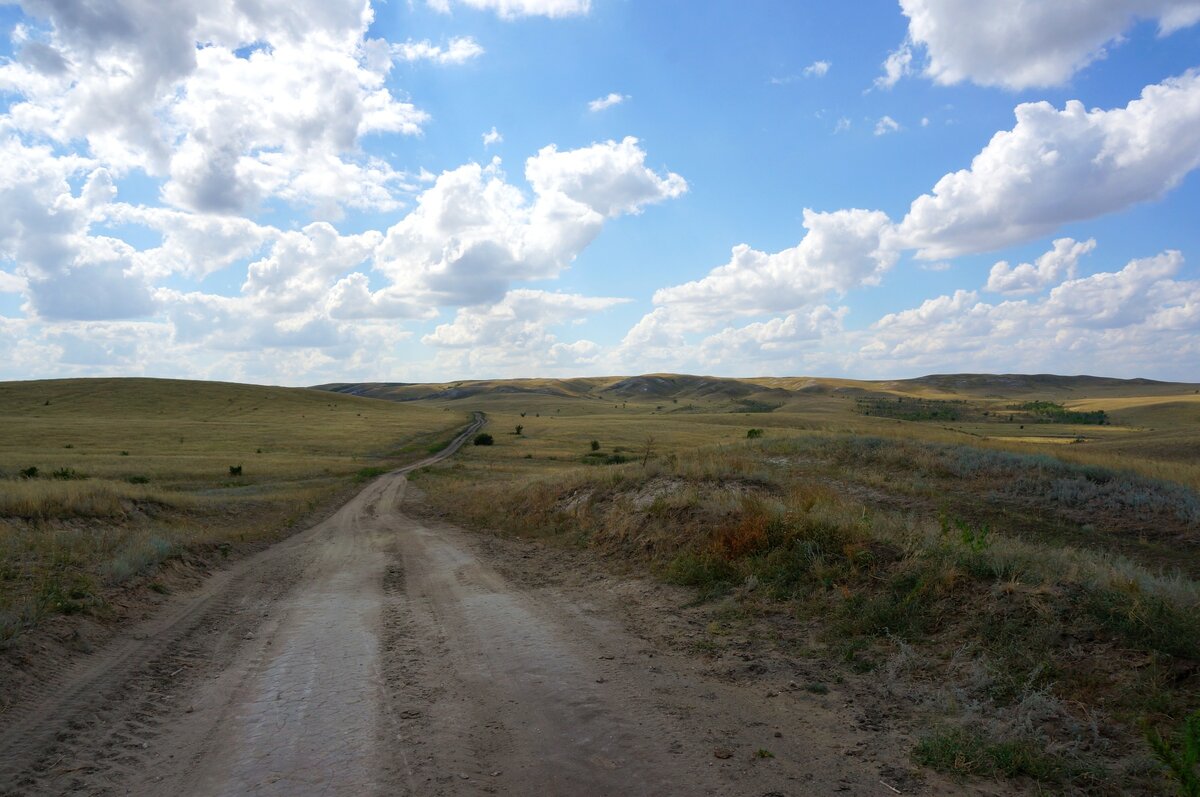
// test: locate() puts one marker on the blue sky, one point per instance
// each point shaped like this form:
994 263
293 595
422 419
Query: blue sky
438 189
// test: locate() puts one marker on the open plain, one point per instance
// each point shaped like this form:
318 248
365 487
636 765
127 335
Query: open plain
654 585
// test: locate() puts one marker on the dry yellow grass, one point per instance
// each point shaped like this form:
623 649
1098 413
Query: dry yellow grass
1032 633
145 473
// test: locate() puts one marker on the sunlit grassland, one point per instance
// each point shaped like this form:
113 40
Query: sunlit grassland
1033 590
132 471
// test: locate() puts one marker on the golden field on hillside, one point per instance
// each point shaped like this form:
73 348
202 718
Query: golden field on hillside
102 479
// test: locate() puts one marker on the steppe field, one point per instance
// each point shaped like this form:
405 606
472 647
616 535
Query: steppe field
954 584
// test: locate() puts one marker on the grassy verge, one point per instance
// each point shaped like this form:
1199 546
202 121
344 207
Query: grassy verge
1032 658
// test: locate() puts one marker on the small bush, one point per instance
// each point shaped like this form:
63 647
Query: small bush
962 752
67 474
483 439
235 470
595 445
753 434
138 480
600 458
520 428
693 570
1183 762
369 473
29 473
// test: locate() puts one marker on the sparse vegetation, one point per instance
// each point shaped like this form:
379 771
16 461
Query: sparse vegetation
1039 601
1018 624
961 752
109 478
483 439
753 405
366 474
911 409
1180 757
1052 412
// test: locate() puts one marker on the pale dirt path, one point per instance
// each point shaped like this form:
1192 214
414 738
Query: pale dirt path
384 653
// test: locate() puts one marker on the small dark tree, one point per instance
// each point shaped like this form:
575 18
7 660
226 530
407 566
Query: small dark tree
29 473
519 428
754 433
648 451
235 470
483 439
595 445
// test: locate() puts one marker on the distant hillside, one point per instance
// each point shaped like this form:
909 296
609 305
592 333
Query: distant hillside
680 387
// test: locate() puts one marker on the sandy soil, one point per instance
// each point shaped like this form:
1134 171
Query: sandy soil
384 651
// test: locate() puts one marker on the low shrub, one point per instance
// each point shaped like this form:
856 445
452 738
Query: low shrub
961 752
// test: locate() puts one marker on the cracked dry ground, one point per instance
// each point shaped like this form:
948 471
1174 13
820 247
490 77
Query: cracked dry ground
386 652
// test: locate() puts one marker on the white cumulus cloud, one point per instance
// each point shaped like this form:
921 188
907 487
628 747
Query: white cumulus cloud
602 103
234 102
885 125
458 50
841 250
1050 269
897 65
1024 44
472 233
1059 166
817 69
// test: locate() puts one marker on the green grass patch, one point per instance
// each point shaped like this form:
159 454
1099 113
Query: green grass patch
366 474
960 752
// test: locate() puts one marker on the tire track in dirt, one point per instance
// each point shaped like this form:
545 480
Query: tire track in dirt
96 726
379 652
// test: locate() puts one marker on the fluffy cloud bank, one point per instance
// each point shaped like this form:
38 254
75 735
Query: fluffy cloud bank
514 335
1137 319
233 103
472 233
841 250
1028 43
1049 269
1058 166
1052 168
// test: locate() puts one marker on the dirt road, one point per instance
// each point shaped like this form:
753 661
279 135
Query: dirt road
381 652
